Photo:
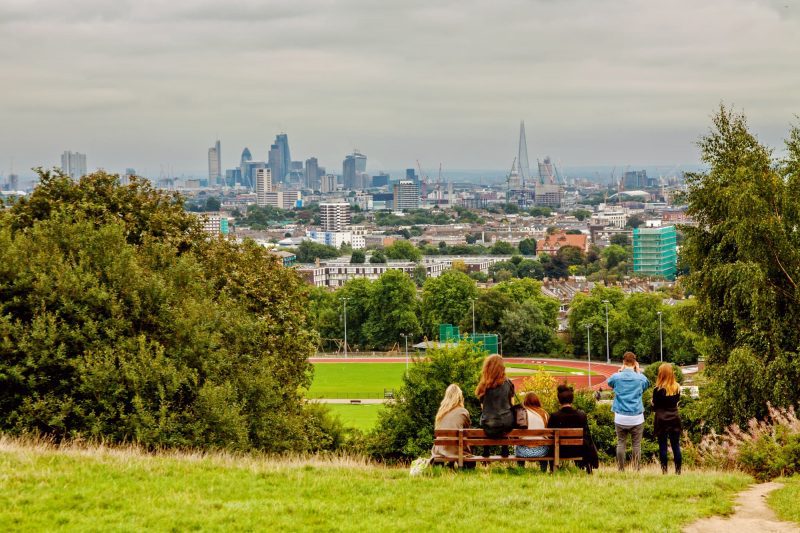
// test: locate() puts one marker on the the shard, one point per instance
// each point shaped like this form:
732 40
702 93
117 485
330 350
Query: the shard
522 157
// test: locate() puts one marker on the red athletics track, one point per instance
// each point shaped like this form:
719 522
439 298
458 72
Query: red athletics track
605 371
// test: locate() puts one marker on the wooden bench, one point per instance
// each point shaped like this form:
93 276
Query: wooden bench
555 438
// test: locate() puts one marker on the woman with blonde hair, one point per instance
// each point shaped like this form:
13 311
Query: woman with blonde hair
495 392
451 415
667 420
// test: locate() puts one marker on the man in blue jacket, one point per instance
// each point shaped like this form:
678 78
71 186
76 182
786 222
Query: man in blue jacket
628 384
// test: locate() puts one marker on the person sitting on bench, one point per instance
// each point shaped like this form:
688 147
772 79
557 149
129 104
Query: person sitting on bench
569 417
452 415
495 392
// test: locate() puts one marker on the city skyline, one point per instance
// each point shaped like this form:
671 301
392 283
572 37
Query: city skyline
612 83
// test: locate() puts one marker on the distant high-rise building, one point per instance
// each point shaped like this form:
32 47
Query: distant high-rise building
655 251
73 164
263 185
243 170
353 167
406 195
334 216
634 180
411 174
214 164
12 182
381 180
312 174
280 159
327 183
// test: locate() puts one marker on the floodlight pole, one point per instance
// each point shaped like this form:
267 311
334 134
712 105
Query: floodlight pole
344 301
405 336
608 352
660 337
473 318
589 352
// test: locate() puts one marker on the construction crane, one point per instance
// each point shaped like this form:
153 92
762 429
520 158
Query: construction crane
423 181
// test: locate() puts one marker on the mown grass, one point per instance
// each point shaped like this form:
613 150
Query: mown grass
356 380
100 490
786 501
361 417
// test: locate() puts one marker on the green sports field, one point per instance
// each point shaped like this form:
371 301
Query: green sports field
361 417
355 380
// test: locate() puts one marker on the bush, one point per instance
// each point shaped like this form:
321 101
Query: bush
405 427
764 449
544 385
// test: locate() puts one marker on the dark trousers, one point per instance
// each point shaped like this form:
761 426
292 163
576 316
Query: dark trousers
503 451
675 443
636 444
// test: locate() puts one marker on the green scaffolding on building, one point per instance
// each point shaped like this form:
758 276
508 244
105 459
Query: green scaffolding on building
655 252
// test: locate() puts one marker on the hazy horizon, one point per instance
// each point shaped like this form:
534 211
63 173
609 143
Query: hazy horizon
612 83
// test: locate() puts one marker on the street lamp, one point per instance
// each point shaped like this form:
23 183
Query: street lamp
660 337
608 353
406 336
473 317
589 351
344 301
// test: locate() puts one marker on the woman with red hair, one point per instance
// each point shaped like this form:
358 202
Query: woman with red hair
495 392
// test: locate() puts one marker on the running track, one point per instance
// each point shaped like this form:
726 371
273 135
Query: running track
580 382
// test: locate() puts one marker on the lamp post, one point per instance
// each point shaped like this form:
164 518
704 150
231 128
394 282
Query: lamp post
406 336
344 302
660 337
589 351
608 353
473 317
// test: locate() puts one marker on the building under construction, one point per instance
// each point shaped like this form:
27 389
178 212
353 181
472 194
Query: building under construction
524 190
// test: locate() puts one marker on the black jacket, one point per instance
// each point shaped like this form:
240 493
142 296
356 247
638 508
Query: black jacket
569 417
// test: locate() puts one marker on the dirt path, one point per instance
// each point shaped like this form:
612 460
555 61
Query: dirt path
751 515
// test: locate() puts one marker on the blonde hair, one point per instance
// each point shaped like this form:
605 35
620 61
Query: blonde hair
666 379
453 397
493 374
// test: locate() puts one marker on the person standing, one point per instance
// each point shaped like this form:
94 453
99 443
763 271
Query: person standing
628 384
495 392
667 419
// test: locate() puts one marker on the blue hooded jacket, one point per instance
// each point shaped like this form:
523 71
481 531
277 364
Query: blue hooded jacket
628 388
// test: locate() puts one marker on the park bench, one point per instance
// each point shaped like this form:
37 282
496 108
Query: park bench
555 438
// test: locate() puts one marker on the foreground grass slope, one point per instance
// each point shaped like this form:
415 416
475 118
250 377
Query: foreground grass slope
96 490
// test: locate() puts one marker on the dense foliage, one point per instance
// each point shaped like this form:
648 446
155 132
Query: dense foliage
744 262
121 320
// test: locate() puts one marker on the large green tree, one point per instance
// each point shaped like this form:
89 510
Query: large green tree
121 320
393 309
744 261
403 250
447 300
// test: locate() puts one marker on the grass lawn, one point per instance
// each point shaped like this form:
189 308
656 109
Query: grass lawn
361 417
41 489
786 501
355 380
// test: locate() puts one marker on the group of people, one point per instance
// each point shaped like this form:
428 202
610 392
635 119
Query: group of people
497 395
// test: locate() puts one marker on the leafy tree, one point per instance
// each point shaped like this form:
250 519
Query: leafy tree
525 330
523 290
540 212
502 266
309 251
471 238
527 246
446 300
420 275
213 203
620 239
405 426
393 309
554 266
121 320
358 292
403 250
581 214
571 255
634 221
358 257
744 263
377 257
530 268
502 248
613 255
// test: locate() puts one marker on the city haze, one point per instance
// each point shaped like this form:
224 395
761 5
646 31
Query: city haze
151 85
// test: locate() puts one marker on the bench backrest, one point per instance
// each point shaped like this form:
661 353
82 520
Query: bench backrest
517 437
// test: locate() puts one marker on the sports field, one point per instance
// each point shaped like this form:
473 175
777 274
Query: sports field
361 417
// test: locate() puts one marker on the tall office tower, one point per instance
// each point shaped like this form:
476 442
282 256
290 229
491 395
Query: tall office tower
334 216
243 170
73 164
406 195
327 183
411 174
381 180
312 174
275 164
263 185
353 166
214 165
296 174
282 140
655 251
13 182
635 179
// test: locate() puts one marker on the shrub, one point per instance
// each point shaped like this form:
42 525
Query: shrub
544 385
766 449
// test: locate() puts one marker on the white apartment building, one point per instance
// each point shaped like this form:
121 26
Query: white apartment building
263 185
334 216
73 164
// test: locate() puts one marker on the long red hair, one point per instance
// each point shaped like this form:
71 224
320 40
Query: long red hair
493 374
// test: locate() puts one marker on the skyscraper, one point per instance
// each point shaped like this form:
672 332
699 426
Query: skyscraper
354 168
214 164
312 175
406 195
244 171
275 163
334 216
73 164
263 185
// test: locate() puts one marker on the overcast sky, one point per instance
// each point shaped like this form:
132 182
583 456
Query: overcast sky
153 83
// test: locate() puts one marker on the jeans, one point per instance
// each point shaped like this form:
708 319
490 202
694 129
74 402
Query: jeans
675 443
636 444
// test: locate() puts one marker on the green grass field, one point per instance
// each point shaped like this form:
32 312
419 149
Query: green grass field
361 417
355 380
44 490
786 501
